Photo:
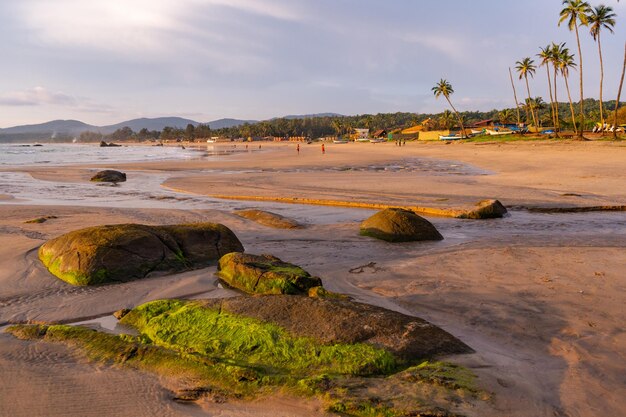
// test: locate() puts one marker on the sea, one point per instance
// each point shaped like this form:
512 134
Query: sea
72 154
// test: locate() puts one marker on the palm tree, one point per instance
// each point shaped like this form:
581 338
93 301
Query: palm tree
505 116
526 67
557 50
446 119
546 58
575 12
565 62
619 94
601 17
514 95
444 88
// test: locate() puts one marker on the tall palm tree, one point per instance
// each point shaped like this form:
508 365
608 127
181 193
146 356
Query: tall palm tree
619 94
546 59
526 67
601 17
444 88
575 13
514 95
565 62
557 50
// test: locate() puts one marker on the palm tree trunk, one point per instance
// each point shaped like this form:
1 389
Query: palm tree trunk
571 105
514 95
582 111
532 112
458 116
601 78
551 95
619 95
556 103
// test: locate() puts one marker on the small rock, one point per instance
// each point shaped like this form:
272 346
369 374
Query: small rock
121 313
109 175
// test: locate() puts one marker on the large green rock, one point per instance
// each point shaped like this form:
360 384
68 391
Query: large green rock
125 252
203 326
399 225
264 274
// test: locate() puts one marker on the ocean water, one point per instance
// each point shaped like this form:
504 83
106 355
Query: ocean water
66 154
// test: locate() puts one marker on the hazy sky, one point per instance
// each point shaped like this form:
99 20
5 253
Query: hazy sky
104 61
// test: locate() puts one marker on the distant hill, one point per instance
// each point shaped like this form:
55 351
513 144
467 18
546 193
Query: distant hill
66 127
157 123
225 123
65 130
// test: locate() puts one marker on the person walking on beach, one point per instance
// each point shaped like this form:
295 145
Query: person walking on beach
298 148
323 149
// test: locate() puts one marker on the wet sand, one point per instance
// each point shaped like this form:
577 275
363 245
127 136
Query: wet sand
539 297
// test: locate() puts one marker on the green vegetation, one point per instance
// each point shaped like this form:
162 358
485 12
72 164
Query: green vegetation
189 327
220 354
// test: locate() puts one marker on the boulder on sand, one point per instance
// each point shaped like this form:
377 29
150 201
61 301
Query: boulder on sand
486 209
264 274
269 219
125 252
332 321
399 225
109 175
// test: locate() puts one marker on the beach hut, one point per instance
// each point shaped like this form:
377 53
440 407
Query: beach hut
362 135
380 134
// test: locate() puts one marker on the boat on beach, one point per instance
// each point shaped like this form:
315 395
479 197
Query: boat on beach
498 132
340 141
452 137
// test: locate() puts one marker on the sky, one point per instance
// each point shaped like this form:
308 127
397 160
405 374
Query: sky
105 61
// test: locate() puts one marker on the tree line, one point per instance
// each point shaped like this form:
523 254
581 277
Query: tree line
559 61
316 127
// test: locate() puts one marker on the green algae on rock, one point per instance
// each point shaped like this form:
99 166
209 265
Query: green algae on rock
211 348
399 225
264 274
337 320
124 252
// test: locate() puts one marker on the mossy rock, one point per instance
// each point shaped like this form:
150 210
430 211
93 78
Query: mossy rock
264 274
269 219
343 321
487 209
358 360
125 252
399 225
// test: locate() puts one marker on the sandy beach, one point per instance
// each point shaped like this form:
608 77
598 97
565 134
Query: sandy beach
540 297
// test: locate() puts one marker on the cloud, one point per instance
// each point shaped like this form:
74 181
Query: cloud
40 96
35 97
453 47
